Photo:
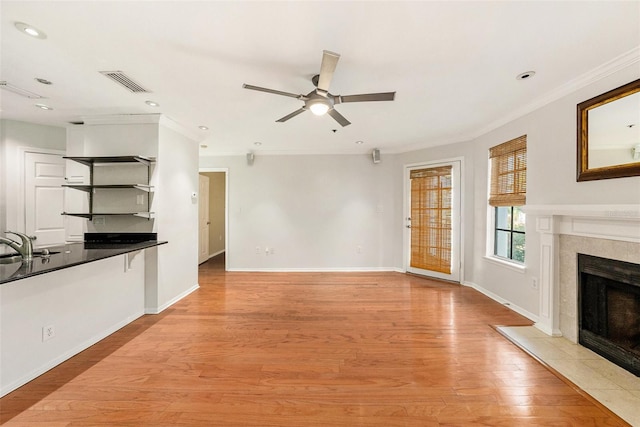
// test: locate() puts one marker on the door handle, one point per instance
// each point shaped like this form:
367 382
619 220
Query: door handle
408 226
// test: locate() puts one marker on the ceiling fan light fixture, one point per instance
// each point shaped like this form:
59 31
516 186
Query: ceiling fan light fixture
319 108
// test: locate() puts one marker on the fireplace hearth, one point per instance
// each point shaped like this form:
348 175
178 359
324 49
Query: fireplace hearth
609 309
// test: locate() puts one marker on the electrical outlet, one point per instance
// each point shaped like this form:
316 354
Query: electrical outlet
272 251
48 332
534 282
359 249
257 250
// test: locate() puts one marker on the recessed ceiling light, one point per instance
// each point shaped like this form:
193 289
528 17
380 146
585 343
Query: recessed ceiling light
30 30
257 143
526 75
203 127
359 142
152 103
44 107
43 81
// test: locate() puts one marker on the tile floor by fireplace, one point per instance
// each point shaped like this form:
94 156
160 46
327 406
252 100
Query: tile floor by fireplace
614 387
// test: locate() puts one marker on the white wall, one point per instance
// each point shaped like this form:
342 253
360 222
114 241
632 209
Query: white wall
120 139
177 217
13 136
314 211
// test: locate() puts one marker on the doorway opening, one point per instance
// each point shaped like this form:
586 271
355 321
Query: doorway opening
213 215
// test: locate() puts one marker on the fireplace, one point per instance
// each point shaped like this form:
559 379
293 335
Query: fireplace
609 309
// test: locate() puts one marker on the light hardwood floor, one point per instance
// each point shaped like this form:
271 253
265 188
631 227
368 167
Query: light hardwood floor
309 349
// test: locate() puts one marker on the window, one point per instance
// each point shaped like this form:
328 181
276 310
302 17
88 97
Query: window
509 233
507 196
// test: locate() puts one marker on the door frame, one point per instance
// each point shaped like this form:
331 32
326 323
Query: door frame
226 211
457 222
203 178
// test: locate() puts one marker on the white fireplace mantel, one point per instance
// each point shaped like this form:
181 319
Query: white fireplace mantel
612 222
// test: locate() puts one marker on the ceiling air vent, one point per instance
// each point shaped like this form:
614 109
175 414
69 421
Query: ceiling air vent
123 80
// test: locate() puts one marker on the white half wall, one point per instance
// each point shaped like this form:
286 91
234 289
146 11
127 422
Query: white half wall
83 304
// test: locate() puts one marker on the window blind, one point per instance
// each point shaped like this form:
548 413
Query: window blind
509 173
431 219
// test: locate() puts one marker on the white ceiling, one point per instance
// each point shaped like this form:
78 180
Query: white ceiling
452 64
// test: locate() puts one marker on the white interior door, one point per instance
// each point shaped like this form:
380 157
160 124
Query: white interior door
203 219
44 198
432 220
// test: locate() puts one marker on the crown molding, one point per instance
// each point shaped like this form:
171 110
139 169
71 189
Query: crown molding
618 63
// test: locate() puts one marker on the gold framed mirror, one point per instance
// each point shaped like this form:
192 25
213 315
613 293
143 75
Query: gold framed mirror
609 134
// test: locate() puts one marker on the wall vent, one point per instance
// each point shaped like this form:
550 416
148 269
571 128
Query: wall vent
18 90
125 81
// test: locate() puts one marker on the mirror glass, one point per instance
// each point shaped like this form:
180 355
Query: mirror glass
609 134
614 132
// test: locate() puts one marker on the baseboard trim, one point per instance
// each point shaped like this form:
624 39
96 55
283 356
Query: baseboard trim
68 354
506 303
174 300
318 270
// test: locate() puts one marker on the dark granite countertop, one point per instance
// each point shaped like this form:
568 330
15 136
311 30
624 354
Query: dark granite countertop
68 256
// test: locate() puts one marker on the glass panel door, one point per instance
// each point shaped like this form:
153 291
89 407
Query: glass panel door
433 221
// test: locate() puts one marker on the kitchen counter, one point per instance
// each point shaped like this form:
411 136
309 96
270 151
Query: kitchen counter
68 256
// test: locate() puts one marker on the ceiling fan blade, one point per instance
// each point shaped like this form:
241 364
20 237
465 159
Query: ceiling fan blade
276 92
338 117
328 66
288 116
385 96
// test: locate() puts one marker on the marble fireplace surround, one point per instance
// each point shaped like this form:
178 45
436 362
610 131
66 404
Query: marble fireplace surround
607 231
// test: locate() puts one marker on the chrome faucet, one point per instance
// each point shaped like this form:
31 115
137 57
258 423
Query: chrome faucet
25 249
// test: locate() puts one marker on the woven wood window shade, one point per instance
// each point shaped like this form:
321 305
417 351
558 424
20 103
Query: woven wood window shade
509 173
431 219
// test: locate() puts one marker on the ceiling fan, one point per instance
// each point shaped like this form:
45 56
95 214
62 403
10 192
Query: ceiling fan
319 100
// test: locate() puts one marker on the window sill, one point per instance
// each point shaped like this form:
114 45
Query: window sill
519 268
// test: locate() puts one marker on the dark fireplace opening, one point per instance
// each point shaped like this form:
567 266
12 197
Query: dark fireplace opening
609 309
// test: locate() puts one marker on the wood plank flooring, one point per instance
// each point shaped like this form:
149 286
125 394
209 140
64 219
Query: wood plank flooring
308 349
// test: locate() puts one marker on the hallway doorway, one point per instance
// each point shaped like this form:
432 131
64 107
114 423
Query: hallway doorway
216 221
